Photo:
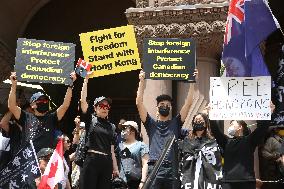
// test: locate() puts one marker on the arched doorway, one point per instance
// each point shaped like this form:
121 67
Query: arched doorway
63 21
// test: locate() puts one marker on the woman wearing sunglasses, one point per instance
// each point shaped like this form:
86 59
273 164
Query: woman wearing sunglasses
100 160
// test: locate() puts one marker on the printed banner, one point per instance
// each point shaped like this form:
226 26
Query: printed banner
44 61
278 90
240 98
169 59
111 51
201 168
21 171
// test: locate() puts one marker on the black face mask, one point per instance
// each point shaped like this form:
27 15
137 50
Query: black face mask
164 110
42 107
198 126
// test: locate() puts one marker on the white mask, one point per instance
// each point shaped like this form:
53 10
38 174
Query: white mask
232 131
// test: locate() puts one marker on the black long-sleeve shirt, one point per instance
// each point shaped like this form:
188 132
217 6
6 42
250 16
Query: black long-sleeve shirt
239 152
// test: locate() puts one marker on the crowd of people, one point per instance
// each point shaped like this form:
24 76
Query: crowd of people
115 157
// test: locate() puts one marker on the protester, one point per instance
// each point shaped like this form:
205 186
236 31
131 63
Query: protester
79 129
271 153
118 140
40 125
13 131
239 152
134 156
118 130
5 140
100 160
43 156
160 130
201 157
67 162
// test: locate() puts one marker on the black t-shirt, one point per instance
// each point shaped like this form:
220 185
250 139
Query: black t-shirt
101 134
15 135
239 152
39 129
159 133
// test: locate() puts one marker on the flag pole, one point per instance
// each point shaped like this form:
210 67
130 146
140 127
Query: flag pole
152 175
32 144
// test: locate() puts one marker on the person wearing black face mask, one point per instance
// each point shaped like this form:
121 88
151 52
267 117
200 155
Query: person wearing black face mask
200 148
160 130
198 126
40 125
164 110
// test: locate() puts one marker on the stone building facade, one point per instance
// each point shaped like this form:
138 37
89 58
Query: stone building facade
202 20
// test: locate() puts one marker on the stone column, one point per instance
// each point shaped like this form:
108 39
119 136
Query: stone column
204 21
207 67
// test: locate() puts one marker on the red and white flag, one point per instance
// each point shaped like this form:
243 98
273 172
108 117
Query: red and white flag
54 171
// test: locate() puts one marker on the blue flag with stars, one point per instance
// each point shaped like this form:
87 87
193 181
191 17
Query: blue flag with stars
249 22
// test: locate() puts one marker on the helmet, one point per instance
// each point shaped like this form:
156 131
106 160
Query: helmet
119 183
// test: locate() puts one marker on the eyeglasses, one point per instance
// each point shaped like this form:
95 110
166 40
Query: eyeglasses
104 106
68 141
42 101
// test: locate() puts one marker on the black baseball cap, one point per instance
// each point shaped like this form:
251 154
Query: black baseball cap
36 96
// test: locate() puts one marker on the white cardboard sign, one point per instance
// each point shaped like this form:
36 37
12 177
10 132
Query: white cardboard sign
240 98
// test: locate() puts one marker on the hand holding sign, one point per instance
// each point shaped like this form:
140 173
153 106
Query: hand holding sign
73 76
13 78
142 75
195 74
272 106
83 68
206 109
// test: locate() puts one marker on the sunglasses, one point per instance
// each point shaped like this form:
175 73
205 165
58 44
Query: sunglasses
42 101
67 141
104 106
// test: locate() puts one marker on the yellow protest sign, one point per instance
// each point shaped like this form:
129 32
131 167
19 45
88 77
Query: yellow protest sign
111 51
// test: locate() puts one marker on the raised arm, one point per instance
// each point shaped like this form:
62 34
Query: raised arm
220 137
12 102
188 101
262 127
84 91
67 99
139 98
76 133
